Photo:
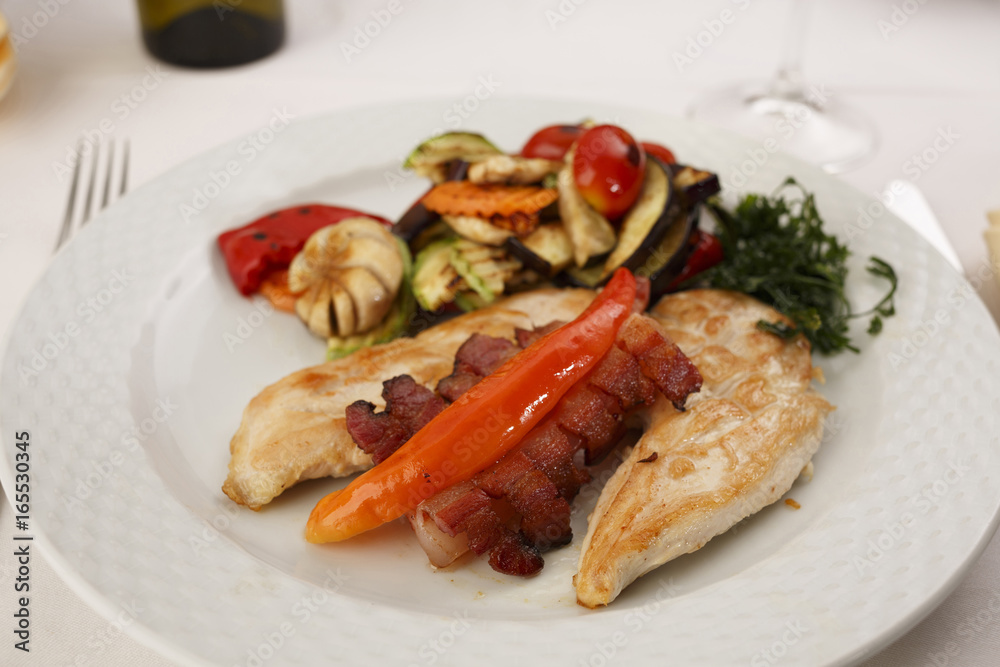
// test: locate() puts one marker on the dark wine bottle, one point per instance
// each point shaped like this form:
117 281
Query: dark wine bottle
212 33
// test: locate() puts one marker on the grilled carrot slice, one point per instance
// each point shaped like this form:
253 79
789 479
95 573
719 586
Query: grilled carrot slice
274 287
513 207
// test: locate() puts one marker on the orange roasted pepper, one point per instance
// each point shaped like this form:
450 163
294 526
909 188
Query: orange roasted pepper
480 427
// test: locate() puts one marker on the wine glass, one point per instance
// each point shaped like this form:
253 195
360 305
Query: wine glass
806 121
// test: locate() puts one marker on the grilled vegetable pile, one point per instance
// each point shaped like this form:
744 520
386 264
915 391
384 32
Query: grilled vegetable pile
577 202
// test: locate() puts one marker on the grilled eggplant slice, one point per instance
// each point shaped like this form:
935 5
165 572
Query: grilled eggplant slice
694 185
656 233
667 261
546 251
646 222
590 233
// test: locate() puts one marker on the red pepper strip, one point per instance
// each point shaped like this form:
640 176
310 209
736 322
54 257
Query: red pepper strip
480 427
658 150
706 254
271 242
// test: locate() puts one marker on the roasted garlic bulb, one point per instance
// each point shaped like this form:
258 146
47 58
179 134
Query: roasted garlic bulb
346 277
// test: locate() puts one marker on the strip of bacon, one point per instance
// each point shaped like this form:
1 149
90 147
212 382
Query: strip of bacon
674 374
590 417
408 408
476 358
519 507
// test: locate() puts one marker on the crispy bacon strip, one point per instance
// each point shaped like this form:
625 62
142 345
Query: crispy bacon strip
674 374
520 507
408 408
538 480
476 358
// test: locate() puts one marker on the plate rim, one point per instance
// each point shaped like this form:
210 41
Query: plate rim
171 650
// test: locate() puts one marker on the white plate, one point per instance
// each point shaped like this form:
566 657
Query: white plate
126 497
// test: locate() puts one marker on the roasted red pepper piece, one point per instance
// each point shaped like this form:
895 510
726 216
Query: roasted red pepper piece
271 242
665 155
706 254
481 426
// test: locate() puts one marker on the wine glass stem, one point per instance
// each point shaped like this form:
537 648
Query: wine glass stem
788 81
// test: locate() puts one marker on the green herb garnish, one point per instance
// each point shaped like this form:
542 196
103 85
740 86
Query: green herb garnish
776 251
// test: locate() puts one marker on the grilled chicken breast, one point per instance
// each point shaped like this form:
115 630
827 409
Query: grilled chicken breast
738 446
295 429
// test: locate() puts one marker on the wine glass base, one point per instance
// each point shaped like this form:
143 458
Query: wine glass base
820 131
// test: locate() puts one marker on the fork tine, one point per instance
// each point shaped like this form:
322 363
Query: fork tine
124 183
70 205
108 173
90 188
90 205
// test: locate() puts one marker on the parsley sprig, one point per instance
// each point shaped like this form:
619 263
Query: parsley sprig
776 250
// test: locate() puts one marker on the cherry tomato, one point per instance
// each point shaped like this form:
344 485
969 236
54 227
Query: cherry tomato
707 253
552 142
608 167
659 151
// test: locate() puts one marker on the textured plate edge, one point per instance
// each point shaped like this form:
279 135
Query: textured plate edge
157 642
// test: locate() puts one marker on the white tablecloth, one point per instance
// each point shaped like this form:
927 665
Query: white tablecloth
917 68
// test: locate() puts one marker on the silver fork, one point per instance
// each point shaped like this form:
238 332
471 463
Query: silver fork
82 205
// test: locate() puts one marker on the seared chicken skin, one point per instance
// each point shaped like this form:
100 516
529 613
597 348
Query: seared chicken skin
295 429
737 448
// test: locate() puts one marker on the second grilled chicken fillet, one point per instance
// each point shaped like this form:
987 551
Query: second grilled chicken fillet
737 448
295 429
